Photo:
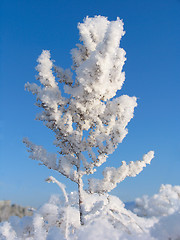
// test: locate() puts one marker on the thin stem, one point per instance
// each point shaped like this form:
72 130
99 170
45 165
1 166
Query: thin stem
62 187
80 193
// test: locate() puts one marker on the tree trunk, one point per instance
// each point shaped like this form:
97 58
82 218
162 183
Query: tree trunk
80 193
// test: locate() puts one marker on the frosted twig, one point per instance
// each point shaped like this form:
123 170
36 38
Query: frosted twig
62 187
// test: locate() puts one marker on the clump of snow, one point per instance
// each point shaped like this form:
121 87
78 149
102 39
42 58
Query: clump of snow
7 232
55 233
167 227
166 202
98 230
102 229
44 68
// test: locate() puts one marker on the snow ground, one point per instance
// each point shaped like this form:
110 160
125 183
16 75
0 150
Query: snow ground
150 218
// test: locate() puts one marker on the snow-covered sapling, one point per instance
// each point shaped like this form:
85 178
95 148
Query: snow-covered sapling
88 120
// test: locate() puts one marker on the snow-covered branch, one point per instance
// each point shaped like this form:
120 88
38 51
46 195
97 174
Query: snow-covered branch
50 160
44 68
60 185
40 154
113 176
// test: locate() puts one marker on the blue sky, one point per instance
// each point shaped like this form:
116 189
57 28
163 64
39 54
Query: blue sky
152 74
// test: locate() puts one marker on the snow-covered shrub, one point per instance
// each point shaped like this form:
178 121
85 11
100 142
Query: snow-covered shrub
82 109
166 202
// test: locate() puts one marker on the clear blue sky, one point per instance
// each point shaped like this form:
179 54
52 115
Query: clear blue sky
152 43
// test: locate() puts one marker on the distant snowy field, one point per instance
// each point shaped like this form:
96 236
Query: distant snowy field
156 217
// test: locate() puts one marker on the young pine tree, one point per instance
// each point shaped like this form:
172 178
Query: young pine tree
91 121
